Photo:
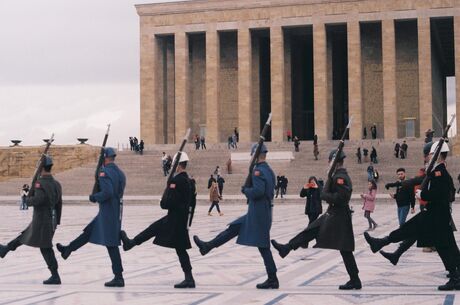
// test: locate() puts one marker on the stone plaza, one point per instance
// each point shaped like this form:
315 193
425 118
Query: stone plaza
227 275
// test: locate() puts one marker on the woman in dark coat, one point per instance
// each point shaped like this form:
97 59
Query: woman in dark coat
312 191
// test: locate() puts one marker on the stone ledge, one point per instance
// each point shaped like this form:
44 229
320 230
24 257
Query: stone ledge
271 156
20 162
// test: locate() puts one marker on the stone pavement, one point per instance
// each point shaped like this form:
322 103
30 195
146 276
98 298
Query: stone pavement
227 275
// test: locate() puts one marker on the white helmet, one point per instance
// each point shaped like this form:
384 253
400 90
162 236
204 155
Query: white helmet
183 157
445 147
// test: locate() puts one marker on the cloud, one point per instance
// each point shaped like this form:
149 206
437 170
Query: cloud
69 111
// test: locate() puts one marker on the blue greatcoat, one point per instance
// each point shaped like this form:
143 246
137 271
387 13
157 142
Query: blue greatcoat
256 224
106 225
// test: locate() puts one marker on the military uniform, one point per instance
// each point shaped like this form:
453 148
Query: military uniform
253 229
105 228
47 202
433 227
333 229
171 231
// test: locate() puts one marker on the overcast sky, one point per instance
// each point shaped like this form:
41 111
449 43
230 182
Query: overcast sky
69 67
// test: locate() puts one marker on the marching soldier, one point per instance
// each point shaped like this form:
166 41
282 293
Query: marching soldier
334 229
433 226
171 231
253 229
105 228
47 202
393 257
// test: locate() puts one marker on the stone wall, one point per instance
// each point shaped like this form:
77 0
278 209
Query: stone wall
407 92
197 72
228 84
372 77
20 162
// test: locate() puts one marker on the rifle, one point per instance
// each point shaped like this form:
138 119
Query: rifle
252 164
96 187
435 157
332 167
176 160
164 199
39 166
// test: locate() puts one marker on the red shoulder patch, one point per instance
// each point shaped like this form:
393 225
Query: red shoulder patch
340 181
37 185
172 186
437 174
256 173
101 174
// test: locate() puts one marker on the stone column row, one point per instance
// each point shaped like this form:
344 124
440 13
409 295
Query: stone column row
151 105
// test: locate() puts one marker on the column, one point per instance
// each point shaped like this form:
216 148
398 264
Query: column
355 108
245 107
457 71
390 112
323 111
424 74
278 107
150 103
212 86
182 116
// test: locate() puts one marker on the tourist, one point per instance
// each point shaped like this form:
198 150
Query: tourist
214 197
24 194
369 204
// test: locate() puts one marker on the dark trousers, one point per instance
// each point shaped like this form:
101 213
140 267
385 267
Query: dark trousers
450 255
367 215
231 232
214 204
47 253
114 252
278 190
150 232
312 217
309 234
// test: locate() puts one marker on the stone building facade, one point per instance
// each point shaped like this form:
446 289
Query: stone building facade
213 65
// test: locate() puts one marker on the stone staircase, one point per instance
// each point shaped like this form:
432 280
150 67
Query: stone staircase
145 176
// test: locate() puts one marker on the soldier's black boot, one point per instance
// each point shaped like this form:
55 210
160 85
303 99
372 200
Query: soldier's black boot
403 247
11 246
353 283
128 244
271 283
453 283
376 243
204 247
283 250
117 281
3 251
64 250
55 279
189 282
